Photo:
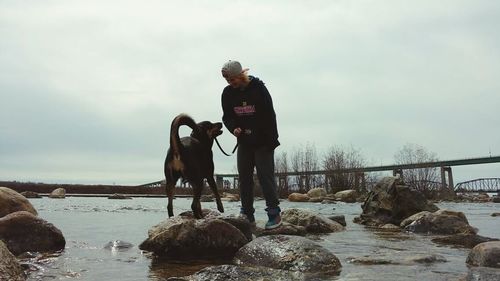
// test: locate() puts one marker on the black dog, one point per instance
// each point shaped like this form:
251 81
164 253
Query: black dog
191 159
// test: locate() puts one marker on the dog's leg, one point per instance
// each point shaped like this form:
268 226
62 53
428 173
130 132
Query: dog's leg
213 186
196 205
170 187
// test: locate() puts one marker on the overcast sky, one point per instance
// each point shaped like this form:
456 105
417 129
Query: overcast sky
88 88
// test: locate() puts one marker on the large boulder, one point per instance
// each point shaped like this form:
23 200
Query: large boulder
390 202
298 197
10 269
292 253
58 193
317 192
11 201
446 194
314 223
485 254
241 273
186 238
348 196
440 222
24 232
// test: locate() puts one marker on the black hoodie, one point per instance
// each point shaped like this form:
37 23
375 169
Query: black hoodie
251 109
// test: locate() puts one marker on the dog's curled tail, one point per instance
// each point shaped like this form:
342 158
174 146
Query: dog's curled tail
175 142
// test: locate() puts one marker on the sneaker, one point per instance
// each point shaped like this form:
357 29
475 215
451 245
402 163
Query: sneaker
273 222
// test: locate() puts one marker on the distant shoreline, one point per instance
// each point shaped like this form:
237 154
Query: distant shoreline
82 190
107 195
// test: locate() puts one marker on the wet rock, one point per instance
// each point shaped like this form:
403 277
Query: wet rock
482 274
427 259
391 202
239 273
242 224
440 222
285 229
495 199
348 196
338 218
318 192
185 238
119 196
23 232
298 197
371 261
207 213
292 253
11 201
390 227
413 218
459 215
467 240
118 245
485 254
314 223
476 198
495 215
10 269
30 194
58 193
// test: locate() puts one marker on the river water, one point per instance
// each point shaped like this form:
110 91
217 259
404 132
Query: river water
89 223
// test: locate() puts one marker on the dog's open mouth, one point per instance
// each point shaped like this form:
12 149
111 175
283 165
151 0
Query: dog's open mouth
216 130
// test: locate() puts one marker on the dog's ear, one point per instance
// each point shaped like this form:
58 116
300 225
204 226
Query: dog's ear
207 130
200 133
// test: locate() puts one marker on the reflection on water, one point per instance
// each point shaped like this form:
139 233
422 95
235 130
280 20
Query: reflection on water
89 224
160 269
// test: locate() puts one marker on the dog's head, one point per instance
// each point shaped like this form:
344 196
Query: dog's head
208 130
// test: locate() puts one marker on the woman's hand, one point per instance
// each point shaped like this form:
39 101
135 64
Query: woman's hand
237 132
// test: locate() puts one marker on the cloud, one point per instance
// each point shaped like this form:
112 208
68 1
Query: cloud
88 88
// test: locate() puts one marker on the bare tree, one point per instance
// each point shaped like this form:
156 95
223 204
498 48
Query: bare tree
421 179
282 168
339 158
305 160
281 163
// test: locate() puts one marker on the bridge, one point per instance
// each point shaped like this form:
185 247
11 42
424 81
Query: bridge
479 185
397 169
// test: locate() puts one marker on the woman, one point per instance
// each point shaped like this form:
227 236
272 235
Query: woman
248 113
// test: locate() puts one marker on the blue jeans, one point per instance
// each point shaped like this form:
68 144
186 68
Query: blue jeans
261 158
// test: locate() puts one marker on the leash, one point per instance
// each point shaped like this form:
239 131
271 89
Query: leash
234 149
